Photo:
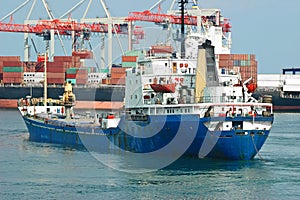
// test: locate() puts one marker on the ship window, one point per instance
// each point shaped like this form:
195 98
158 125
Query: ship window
237 124
166 64
150 80
135 96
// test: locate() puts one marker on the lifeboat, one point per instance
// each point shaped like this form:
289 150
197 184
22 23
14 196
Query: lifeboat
164 88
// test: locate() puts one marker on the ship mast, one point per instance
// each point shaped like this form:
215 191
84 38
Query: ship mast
47 37
182 5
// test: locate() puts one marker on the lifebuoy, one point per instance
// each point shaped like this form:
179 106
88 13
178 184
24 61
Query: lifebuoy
252 113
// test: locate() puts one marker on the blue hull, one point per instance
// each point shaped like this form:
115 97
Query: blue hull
186 135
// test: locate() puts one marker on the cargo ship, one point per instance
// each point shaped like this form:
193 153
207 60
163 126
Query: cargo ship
284 89
175 104
19 79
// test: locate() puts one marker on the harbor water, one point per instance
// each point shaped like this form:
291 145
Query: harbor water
31 170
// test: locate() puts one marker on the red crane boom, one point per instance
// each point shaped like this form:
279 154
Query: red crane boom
63 27
161 18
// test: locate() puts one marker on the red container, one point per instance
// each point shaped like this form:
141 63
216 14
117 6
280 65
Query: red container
81 76
223 63
85 54
129 58
62 58
13 75
55 80
12 80
82 71
117 81
81 81
224 56
12 63
10 58
70 76
56 75
117 70
161 49
118 75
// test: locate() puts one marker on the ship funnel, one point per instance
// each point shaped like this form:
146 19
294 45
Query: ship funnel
206 73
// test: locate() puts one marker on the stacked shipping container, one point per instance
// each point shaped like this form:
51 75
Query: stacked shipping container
118 75
77 76
129 59
11 70
245 64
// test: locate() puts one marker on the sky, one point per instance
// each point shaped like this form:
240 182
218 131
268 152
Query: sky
268 29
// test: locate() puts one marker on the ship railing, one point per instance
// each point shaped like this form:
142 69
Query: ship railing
221 99
207 109
290 96
241 109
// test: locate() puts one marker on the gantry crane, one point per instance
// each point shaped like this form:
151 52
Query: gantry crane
78 30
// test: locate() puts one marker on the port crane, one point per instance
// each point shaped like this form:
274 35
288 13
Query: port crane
69 27
195 17
205 22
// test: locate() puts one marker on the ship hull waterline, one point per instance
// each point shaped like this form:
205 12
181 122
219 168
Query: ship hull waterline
231 145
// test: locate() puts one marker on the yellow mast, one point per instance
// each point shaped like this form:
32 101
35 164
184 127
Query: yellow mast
45 80
200 75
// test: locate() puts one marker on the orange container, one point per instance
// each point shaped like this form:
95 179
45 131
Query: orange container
129 58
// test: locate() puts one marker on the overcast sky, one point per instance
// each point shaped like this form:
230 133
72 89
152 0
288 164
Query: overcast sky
269 29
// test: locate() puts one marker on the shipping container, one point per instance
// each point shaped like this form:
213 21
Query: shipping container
71 80
13 75
129 59
81 81
56 75
72 70
12 69
62 58
129 64
117 81
158 49
12 80
83 54
134 53
59 81
118 75
10 58
12 64
70 76
117 70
